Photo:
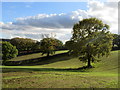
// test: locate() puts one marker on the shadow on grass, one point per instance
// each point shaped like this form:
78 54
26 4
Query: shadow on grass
40 61
81 69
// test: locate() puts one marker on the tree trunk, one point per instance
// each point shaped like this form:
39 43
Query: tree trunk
89 56
48 54
89 63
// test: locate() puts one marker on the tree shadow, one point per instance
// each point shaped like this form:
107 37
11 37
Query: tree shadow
30 70
40 61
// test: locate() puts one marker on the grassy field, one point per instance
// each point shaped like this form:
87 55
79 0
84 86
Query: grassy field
63 72
32 56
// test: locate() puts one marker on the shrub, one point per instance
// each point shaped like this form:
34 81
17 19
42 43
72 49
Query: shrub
8 51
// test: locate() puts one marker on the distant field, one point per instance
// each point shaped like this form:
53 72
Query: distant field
61 72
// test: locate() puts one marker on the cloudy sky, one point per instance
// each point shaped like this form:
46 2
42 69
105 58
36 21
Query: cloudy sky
32 19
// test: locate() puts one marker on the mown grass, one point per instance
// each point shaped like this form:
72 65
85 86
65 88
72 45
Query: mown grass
64 73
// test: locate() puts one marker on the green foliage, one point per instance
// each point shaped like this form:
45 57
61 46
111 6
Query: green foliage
116 40
69 45
8 51
90 40
49 45
24 44
58 44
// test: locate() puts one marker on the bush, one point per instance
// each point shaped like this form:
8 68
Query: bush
8 51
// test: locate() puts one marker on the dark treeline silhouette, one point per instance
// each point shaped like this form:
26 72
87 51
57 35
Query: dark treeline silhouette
115 48
8 40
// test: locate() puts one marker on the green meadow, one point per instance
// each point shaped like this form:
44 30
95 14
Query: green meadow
63 71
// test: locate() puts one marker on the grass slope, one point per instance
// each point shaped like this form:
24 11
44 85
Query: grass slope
32 56
63 74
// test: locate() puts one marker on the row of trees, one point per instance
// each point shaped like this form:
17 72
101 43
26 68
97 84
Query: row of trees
25 44
46 46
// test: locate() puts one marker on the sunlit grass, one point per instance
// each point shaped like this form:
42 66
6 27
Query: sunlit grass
32 56
57 74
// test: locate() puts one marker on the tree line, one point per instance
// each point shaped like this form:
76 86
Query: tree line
17 45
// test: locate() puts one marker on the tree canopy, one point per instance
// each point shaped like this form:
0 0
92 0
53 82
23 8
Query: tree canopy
90 40
49 45
8 51
24 44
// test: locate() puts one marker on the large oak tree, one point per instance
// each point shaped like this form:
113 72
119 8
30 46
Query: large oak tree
90 40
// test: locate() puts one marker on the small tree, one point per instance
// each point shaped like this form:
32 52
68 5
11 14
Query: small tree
49 45
90 39
8 51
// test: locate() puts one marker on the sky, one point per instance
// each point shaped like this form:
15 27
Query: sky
32 19
12 10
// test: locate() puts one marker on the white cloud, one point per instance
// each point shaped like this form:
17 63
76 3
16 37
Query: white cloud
108 12
48 21
112 0
61 24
